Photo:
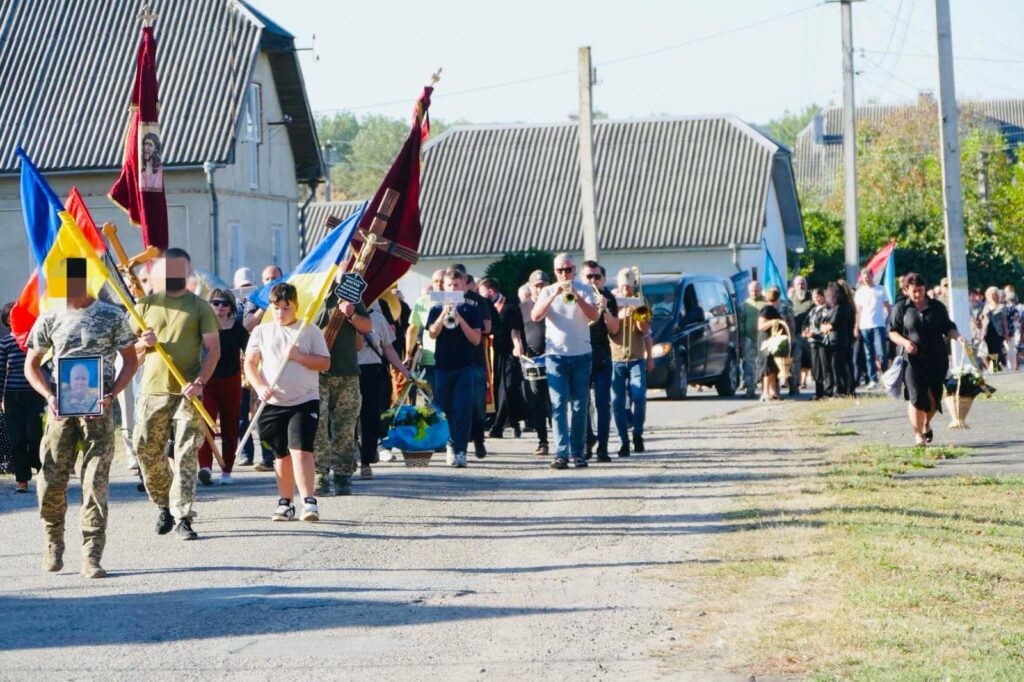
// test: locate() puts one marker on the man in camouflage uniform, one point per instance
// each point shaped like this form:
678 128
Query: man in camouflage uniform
751 309
185 325
340 400
86 327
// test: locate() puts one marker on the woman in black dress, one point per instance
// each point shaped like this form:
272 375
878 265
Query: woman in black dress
838 327
921 327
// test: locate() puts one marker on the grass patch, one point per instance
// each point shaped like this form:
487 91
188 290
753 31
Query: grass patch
859 574
839 433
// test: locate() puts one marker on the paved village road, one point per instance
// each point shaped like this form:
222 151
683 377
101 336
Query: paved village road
503 570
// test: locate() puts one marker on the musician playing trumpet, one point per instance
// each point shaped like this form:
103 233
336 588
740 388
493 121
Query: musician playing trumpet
569 308
458 330
629 366
606 324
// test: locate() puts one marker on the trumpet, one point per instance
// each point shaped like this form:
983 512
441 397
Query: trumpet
601 306
449 317
568 295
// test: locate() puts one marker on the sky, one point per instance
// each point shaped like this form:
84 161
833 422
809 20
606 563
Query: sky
516 62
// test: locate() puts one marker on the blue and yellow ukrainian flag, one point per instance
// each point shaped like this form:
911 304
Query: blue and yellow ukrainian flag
313 276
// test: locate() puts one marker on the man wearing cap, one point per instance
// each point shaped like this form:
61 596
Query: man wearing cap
568 308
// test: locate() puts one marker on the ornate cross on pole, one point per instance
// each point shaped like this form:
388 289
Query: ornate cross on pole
372 242
147 15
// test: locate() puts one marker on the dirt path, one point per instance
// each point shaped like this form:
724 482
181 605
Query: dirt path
504 570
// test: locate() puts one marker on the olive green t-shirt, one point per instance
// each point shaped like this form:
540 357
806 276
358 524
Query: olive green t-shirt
343 352
179 323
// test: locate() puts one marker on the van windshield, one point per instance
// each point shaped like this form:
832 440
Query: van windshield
661 297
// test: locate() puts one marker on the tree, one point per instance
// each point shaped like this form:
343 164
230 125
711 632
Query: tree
899 195
788 126
513 269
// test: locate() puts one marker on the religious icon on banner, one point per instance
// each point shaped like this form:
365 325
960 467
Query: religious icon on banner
151 147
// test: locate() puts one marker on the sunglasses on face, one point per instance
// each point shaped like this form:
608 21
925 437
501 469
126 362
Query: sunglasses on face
220 302
564 269
593 275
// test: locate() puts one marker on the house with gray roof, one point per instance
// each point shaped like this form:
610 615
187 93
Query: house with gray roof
239 134
690 194
818 152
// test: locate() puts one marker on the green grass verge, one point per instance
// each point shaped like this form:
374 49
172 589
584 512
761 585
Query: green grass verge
864 575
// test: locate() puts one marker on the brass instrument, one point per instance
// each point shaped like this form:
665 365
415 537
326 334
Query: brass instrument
449 317
601 305
568 295
641 313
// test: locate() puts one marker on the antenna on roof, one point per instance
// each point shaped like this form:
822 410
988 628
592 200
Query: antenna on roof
311 48
147 16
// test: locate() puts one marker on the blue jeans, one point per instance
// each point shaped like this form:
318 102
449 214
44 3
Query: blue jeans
629 377
874 342
454 395
569 388
601 382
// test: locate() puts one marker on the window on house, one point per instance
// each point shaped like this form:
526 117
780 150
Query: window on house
282 254
236 254
252 132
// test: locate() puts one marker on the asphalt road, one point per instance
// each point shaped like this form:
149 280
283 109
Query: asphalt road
504 570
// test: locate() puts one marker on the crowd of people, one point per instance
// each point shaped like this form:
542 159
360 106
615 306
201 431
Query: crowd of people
490 362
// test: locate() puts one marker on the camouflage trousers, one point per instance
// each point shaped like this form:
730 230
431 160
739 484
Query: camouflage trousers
335 446
168 485
750 366
62 439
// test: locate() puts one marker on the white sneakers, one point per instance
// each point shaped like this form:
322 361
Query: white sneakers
225 479
285 511
460 460
449 455
309 510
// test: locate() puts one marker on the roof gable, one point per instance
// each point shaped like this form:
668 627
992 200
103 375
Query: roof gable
66 71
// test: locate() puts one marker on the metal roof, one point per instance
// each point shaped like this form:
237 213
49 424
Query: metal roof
317 214
66 72
661 184
818 163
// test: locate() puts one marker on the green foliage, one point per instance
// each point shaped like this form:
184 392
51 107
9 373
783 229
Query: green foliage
360 150
899 190
513 269
788 126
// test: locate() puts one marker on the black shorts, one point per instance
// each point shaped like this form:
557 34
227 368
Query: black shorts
289 428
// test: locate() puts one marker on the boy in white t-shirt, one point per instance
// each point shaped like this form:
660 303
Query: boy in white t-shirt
289 421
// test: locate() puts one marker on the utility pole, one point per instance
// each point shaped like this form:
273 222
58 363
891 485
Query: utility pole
588 200
852 233
952 191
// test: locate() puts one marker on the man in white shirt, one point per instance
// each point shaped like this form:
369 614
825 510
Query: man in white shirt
568 308
872 304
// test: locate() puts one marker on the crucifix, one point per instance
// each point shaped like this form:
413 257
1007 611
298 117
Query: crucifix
147 15
372 242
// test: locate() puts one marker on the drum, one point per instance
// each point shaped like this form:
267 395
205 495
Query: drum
534 368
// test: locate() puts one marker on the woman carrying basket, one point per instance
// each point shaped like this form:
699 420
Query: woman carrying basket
921 326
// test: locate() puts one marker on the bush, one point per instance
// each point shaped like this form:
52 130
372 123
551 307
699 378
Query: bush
513 269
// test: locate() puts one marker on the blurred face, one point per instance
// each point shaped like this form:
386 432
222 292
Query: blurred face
488 292
77 287
437 280
79 379
565 269
754 290
800 284
535 290
172 273
819 299
283 311
221 306
270 273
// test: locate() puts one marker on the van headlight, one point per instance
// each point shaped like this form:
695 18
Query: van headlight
661 349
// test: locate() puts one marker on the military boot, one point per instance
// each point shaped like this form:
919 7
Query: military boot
342 484
92 551
91 568
321 484
53 560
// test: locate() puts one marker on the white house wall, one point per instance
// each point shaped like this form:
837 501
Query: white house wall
272 204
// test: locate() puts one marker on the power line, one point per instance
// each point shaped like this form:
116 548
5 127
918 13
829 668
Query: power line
566 72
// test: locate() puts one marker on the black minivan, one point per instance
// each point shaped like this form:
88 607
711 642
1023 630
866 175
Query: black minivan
695 329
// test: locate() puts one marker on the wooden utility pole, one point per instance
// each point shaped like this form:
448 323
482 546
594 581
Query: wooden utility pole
588 200
952 191
852 234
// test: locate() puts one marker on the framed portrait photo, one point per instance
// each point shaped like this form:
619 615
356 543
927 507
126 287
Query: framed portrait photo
80 386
